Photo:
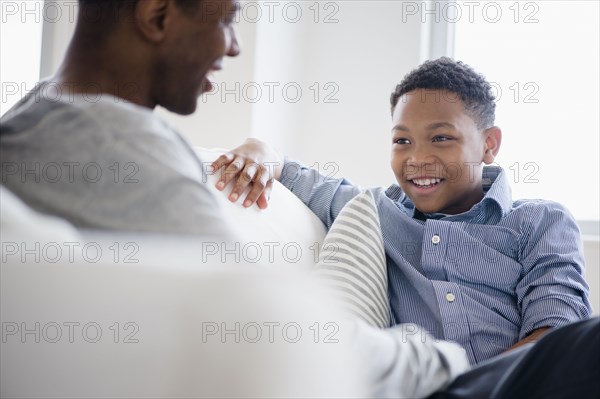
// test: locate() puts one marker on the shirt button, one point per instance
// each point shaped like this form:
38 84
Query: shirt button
435 239
450 297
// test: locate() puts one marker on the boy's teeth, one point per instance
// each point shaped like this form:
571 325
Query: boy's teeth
426 182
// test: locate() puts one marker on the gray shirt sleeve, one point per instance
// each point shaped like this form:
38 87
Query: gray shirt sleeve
404 361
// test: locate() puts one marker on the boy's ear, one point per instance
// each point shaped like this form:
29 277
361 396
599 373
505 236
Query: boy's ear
493 139
151 17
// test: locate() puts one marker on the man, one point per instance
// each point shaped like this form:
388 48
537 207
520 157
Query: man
84 144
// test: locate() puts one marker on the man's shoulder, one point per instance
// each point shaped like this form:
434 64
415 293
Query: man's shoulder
40 112
32 111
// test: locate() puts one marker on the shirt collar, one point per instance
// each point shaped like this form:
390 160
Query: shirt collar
498 197
496 188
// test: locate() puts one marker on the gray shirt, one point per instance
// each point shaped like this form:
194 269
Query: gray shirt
105 164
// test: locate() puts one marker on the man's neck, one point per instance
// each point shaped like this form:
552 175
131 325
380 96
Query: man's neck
105 69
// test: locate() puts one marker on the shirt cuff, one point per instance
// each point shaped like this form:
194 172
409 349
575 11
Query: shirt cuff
544 313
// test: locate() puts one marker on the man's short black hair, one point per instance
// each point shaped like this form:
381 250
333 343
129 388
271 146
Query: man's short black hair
456 77
109 11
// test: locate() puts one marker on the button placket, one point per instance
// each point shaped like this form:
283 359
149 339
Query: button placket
433 257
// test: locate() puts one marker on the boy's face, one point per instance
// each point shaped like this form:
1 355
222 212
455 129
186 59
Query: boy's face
438 152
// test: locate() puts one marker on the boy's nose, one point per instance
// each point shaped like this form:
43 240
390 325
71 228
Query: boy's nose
419 158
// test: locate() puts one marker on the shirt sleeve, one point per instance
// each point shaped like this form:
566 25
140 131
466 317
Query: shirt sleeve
324 195
552 291
404 361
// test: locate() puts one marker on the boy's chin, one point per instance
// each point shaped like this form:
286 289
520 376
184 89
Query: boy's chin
428 210
429 206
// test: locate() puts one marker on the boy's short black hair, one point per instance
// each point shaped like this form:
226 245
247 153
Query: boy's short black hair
454 76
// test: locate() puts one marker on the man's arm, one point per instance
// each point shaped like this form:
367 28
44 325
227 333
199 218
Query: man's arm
404 361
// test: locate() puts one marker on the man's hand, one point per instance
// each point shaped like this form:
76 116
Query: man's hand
253 164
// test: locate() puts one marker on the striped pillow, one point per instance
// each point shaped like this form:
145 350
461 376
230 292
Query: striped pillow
352 261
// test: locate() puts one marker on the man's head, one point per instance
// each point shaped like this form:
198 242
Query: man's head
173 45
443 132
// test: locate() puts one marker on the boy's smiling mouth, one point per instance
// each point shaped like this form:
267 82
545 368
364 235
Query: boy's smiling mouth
425 182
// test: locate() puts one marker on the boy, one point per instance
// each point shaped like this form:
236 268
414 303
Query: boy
464 261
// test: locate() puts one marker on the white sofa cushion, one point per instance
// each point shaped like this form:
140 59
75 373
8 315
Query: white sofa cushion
104 330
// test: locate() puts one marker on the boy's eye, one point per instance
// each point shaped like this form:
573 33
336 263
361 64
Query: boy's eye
401 141
441 138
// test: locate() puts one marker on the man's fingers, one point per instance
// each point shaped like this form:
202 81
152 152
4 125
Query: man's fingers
230 172
244 178
251 170
242 171
222 160
263 199
258 188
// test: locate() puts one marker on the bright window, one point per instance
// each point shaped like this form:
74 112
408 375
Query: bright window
20 49
542 58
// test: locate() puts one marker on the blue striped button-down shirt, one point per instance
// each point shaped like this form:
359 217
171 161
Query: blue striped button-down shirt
485 278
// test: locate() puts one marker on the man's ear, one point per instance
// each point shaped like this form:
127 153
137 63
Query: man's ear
493 139
151 17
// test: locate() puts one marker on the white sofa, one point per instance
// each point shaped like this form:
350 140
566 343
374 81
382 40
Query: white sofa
89 314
